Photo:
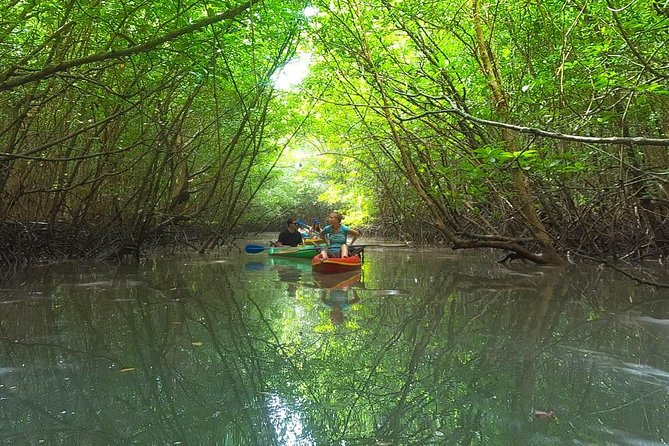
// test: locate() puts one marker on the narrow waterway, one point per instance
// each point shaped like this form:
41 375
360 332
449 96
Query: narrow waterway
421 347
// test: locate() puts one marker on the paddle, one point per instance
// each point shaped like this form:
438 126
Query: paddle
303 224
255 249
379 245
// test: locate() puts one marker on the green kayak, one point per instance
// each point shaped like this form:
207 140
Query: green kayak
299 252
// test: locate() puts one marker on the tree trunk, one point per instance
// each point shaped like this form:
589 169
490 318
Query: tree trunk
523 201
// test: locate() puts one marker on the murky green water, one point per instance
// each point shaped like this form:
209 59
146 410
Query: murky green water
422 348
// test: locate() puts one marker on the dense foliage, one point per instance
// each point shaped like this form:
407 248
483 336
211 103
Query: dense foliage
123 121
500 117
532 127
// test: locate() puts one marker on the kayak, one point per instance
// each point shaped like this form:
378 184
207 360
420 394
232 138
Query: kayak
312 240
298 252
335 264
276 263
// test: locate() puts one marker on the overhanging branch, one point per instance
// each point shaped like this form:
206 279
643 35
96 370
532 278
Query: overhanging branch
628 141
118 54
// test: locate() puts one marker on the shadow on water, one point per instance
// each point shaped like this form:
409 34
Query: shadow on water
418 348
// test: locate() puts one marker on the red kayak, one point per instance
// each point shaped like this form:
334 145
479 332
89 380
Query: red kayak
335 264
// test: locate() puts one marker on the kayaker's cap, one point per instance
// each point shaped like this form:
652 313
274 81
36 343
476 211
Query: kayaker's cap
317 221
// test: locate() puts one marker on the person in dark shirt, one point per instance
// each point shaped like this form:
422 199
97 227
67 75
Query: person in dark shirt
290 236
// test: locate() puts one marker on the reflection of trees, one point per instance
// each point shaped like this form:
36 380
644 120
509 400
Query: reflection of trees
464 358
170 364
430 317
459 357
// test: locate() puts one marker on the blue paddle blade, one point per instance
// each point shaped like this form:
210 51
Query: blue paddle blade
254 249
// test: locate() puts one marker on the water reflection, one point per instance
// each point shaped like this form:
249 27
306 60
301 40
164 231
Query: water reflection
338 292
288 271
434 348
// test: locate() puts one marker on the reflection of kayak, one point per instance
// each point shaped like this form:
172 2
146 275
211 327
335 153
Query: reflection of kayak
337 281
289 262
338 292
299 252
335 265
288 269
312 240
254 266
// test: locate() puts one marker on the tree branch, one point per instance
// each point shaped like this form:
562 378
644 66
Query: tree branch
118 54
628 141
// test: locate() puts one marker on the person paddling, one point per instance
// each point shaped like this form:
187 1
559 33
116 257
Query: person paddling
290 236
336 236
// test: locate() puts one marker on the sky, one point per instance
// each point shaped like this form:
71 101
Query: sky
293 73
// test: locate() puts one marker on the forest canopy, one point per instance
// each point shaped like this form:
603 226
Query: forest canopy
537 128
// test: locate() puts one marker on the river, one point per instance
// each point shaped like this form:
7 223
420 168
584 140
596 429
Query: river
422 347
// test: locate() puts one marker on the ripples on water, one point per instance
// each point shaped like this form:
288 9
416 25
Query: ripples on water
420 347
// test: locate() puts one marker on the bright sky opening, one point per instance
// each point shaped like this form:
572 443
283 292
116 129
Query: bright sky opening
293 73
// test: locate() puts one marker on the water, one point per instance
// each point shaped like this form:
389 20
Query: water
420 348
